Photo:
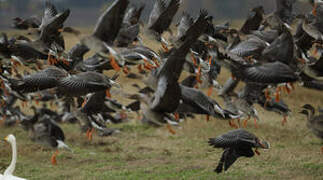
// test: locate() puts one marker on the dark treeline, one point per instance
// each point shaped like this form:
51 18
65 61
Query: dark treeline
85 12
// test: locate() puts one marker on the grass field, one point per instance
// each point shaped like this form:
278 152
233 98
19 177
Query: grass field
141 152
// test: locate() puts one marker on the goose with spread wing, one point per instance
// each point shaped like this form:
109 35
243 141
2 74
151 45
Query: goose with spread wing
83 83
236 143
253 21
161 17
45 79
130 27
164 80
107 27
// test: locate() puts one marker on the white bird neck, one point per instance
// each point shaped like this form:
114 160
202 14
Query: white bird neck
12 166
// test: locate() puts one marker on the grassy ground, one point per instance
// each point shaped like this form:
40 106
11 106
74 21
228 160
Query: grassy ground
141 152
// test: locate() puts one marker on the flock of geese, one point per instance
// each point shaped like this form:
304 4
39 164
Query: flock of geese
265 53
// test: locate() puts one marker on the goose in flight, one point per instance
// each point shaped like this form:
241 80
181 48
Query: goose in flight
236 143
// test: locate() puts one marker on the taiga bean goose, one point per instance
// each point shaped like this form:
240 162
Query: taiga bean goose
314 122
83 83
236 143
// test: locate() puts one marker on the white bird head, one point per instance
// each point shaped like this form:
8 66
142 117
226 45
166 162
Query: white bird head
10 138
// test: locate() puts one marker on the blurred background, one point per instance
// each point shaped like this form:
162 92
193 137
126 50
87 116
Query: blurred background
85 12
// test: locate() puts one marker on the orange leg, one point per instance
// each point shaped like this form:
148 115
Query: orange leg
198 75
107 93
314 11
284 120
194 59
292 85
49 59
255 121
232 124
123 115
4 88
207 118
87 133
165 48
138 116
210 60
114 64
22 104
65 61
176 116
170 129
248 58
257 152
156 62
140 70
277 94
51 104
209 92
91 134
53 158
315 51
25 103
84 102
239 122
245 122
233 77
4 117
125 70
148 66
268 98
287 89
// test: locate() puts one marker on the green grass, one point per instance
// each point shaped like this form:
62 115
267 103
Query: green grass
141 152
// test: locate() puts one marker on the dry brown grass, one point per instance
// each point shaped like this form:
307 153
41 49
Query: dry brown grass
141 152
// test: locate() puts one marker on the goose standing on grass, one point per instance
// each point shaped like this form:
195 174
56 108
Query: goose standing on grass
8 172
314 122
45 132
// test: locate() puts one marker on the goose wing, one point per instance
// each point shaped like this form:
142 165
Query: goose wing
274 73
164 20
110 21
